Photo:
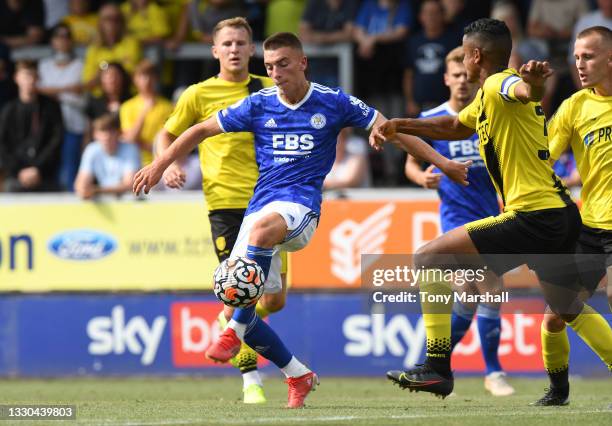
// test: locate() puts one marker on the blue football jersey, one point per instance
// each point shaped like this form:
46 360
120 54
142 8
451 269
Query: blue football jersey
295 145
462 204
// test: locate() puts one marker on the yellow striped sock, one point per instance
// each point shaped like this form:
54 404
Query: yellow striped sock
437 305
555 349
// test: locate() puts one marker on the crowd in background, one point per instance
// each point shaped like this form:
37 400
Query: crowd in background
98 113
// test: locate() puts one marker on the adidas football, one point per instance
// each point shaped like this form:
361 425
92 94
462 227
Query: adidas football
238 282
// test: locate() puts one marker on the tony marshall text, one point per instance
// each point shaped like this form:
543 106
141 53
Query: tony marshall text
423 296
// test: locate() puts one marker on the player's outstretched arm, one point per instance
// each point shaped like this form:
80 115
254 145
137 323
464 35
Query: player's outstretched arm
147 177
439 128
456 171
174 176
533 76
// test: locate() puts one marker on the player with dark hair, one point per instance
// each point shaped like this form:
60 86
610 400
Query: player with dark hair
584 122
296 126
539 218
460 205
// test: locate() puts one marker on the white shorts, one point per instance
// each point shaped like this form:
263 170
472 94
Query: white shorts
301 224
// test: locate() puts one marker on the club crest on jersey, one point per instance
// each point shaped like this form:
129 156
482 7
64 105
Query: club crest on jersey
318 121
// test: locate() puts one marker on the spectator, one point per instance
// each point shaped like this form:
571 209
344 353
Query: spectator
108 165
351 168
552 21
423 82
143 116
523 49
83 24
31 136
205 15
380 28
55 10
146 21
459 13
380 31
283 16
600 17
455 14
21 22
115 89
327 22
60 78
177 14
113 46
7 85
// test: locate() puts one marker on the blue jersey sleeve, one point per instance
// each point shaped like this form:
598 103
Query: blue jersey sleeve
237 117
355 112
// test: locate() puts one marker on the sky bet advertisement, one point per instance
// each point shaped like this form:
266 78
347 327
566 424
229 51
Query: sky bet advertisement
58 335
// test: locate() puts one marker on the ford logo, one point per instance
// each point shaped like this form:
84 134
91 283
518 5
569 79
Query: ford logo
82 245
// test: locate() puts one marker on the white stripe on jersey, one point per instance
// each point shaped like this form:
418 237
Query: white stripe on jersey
509 81
269 91
323 89
445 107
292 152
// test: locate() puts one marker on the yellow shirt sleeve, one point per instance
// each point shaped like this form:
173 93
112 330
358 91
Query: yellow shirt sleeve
185 113
469 114
506 86
560 129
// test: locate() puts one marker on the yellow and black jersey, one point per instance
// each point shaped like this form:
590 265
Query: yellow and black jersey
228 162
584 122
514 145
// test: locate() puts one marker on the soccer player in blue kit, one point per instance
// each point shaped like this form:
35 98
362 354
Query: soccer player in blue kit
460 205
296 125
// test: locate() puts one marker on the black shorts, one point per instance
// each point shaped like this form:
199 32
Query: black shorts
593 256
545 240
224 227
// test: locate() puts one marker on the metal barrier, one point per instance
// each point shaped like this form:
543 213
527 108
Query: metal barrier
342 51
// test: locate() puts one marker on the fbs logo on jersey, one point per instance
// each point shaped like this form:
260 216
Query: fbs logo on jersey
349 240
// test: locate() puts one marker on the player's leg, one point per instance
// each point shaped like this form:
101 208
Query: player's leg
555 354
462 316
562 279
435 374
263 232
591 260
225 225
489 330
274 302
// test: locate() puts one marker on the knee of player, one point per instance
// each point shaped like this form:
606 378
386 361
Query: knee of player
425 258
553 322
272 304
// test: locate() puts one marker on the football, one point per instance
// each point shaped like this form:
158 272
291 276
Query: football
239 282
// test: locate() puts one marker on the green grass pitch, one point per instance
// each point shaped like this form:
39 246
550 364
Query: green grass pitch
338 401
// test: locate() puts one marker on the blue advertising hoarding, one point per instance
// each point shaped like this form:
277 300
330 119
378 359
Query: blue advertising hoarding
163 334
